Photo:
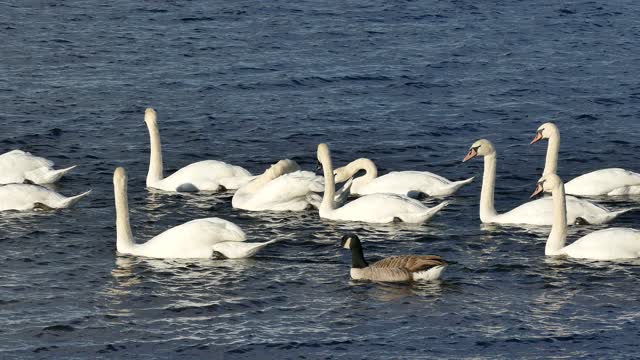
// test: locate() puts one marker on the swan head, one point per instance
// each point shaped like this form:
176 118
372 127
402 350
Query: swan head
341 174
119 176
545 131
150 116
323 155
547 183
350 241
482 147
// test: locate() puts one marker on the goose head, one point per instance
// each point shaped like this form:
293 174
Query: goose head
547 183
482 147
350 241
545 131
150 117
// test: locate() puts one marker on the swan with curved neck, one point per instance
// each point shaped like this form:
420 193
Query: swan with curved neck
206 175
537 212
611 181
374 208
24 197
608 244
200 238
17 166
409 183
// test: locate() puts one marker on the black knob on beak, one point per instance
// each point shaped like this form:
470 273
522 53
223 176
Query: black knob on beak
318 167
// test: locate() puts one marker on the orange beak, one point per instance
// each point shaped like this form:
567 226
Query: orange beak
536 139
472 153
538 191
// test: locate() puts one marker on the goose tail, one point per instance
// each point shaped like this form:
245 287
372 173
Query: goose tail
431 274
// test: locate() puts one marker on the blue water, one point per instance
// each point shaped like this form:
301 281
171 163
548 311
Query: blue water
410 84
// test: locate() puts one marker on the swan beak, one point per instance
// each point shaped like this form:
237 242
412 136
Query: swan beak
537 138
472 153
538 191
318 167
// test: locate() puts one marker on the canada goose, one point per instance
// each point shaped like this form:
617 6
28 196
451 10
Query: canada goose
394 268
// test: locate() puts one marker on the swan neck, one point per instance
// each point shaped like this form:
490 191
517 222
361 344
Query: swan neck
124 238
558 236
329 185
487 208
371 172
155 157
551 161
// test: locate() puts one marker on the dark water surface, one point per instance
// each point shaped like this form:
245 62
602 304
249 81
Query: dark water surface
410 84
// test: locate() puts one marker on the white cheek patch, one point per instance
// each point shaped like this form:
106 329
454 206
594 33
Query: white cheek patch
347 244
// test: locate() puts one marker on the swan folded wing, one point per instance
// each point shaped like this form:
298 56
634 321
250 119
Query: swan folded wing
540 212
411 263
602 181
607 244
25 196
285 188
193 239
403 182
15 164
203 175
379 208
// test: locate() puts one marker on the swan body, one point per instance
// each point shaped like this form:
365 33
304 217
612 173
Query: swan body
392 269
408 183
610 182
282 187
194 239
17 166
374 208
24 197
536 212
207 175
608 244
240 250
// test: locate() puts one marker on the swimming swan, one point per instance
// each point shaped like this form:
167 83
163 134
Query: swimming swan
23 197
16 166
612 181
409 183
608 244
194 239
394 268
374 208
282 187
206 175
537 212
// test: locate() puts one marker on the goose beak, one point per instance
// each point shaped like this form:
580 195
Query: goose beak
538 191
472 153
537 138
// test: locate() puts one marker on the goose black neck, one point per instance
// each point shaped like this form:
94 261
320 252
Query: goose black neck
357 257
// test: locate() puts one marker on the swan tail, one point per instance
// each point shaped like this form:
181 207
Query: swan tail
605 218
456 185
429 275
46 176
425 216
70 201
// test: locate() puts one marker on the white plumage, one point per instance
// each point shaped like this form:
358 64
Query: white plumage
16 166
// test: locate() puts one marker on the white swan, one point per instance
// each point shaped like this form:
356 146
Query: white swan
282 187
16 166
608 244
409 183
23 197
193 239
374 208
612 181
537 212
206 175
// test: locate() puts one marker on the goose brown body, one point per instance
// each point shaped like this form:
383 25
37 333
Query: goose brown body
394 268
